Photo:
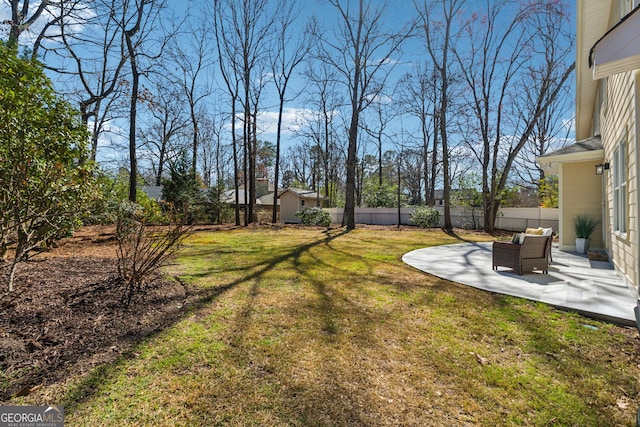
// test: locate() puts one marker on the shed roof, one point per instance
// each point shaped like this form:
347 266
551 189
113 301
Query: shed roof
303 194
267 200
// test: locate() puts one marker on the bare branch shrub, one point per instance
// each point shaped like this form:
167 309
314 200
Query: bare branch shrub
143 249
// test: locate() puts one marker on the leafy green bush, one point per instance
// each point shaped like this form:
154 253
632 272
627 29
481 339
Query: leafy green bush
46 184
382 196
111 191
314 216
425 217
182 190
217 211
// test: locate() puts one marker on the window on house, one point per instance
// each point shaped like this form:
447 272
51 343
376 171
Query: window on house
601 105
620 188
626 6
604 94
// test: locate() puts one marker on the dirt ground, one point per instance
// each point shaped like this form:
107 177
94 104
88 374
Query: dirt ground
65 315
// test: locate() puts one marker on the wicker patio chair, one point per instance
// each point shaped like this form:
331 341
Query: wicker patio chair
532 254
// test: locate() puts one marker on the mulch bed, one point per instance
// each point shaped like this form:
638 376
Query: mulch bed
66 317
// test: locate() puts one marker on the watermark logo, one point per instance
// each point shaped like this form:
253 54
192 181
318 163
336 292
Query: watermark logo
31 416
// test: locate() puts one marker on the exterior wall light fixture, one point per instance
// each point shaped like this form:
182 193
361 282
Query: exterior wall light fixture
600 168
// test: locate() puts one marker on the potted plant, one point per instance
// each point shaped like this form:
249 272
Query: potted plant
583 226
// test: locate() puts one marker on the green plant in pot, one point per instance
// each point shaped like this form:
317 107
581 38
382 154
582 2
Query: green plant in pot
583 226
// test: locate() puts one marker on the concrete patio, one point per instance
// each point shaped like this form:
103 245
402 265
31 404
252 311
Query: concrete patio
575 283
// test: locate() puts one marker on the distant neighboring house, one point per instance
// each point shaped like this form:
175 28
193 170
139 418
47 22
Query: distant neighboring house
293 200
438 198
461 193
265 192
153 192
229 196
266 201
598 175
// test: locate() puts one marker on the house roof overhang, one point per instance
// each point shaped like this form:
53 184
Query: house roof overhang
619 49
592 22
589 149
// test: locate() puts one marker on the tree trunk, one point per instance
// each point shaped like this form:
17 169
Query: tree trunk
161 156
133 108
399 193
194 158
20 250
349 207
327 180
252 168
234 142
379 160
276 178
245 166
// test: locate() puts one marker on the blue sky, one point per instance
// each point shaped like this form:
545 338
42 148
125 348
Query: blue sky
397 14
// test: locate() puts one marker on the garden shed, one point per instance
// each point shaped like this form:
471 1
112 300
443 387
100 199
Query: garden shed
293 200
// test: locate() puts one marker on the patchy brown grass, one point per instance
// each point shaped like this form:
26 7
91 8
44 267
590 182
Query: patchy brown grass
321 327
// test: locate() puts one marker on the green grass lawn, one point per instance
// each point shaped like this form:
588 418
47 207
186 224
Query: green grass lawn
307 327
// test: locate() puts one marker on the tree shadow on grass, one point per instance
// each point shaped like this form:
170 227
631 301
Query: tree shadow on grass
198 298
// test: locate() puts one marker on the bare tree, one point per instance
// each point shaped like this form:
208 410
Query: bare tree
59 14
97 59
137 18
167 122
551 132
285 59
257 87
190 59
377 126
441 35
213 153
298 166
228 52
23 17
318 124
412 163
96 56
361 52
514 71
243 31
418 98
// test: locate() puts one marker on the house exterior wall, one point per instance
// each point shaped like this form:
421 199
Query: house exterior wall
580 194
619 121
634 185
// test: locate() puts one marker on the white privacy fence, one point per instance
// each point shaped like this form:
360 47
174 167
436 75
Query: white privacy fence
514 219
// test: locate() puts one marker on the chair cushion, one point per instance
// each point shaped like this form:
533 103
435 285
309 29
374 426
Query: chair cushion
533 231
